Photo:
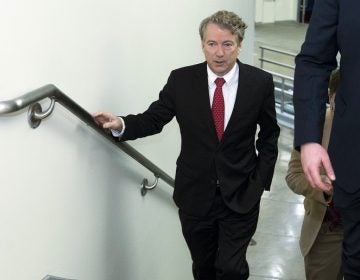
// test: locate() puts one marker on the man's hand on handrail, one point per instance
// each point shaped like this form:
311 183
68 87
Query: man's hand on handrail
313 157
107 120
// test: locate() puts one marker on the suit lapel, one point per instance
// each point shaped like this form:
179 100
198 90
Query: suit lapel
242 87
202 90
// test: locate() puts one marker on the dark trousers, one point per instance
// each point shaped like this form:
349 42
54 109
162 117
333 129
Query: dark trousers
349 206
219 241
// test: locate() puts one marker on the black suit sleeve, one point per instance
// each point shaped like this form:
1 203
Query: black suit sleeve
266 143
314 64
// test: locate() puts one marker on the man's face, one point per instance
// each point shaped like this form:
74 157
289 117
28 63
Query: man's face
220 48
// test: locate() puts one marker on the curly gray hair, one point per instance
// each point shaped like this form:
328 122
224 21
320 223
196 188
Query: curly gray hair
228 20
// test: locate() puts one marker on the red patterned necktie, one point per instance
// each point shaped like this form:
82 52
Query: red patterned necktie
218 108
333 216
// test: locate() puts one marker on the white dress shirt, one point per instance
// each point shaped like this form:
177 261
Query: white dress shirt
229 89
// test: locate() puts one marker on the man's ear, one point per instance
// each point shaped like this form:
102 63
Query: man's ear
239 49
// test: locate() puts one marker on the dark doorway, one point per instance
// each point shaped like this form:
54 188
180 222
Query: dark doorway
305 10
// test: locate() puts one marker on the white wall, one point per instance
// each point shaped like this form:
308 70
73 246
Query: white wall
70 203
269 11
286 10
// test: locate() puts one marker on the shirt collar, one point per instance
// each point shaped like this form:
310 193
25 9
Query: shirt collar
231 77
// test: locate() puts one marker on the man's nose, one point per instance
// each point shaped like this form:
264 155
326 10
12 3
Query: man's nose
219 51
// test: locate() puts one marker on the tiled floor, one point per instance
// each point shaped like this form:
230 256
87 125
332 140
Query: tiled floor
276 254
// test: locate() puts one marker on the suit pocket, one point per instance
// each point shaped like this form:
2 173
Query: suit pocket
183 169
255 180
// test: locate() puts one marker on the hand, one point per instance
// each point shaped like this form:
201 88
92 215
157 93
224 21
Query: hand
107 120
328 194
313 157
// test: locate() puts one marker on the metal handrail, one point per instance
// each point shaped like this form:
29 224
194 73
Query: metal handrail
284 106
283 86
262 60
285 77
267 48
35 115
277 50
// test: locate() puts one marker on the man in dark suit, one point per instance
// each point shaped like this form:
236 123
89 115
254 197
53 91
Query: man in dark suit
334 27
223 168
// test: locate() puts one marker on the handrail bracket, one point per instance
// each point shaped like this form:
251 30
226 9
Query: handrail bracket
146 187
36 115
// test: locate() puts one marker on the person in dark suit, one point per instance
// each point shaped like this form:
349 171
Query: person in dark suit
224 166
334 27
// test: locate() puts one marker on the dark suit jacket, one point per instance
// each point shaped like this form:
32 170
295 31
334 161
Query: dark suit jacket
334 26
242 173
